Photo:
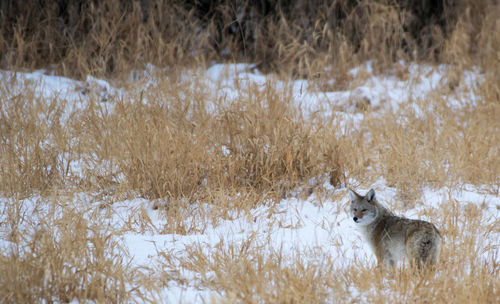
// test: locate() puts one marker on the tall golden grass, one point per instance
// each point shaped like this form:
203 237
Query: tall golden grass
180 142
33 140
112 38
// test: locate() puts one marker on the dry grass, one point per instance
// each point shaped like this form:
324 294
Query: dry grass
180 143
33 143
112 38
55 253
176 147
437 147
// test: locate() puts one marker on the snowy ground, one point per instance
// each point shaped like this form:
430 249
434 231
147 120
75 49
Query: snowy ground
313 230
315 227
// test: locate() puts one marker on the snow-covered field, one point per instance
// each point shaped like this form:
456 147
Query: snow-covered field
315 229
312 229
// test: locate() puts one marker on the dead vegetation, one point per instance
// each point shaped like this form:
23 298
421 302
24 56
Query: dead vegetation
57 254
112 38
169 143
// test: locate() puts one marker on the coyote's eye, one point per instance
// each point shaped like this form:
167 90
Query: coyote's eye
355 209
364 210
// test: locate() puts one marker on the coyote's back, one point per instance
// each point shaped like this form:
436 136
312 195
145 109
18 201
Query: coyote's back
394 238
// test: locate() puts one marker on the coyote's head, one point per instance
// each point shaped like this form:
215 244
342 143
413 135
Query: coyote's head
363 208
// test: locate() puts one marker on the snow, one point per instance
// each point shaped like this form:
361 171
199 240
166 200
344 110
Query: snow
313 228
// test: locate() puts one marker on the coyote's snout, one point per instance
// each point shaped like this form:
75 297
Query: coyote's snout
394 238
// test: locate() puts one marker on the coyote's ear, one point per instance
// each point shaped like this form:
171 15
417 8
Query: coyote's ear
370 195
354 195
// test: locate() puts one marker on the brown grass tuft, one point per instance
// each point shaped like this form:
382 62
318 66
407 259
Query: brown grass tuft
179 148
33 143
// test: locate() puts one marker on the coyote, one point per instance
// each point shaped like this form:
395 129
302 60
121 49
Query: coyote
394 238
